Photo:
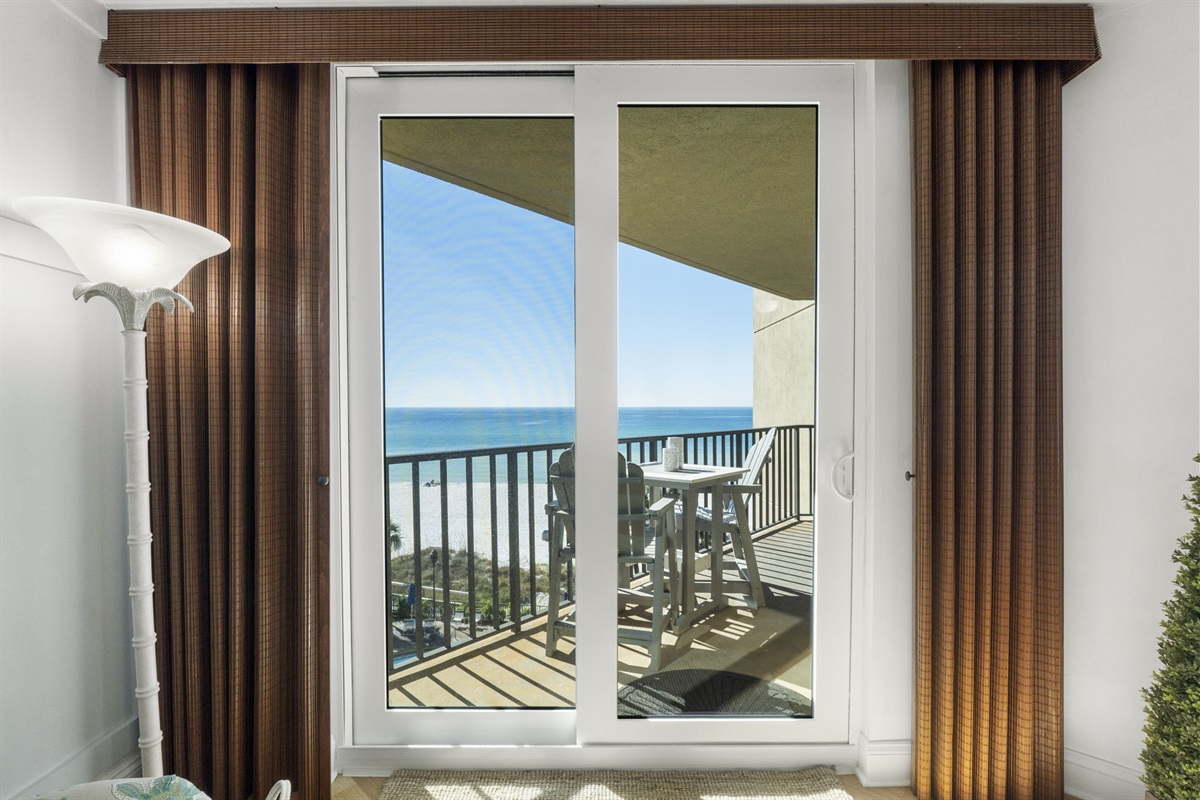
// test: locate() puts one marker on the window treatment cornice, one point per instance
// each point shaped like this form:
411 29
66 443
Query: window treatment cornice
1062 33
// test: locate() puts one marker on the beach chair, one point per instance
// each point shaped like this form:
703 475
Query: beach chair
643 541
734 521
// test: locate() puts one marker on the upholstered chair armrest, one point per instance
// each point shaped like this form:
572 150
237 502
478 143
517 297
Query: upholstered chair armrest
167 787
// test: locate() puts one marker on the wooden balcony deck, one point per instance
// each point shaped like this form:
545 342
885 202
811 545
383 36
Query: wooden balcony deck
512 670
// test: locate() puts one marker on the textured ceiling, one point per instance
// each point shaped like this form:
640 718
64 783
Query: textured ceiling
730 189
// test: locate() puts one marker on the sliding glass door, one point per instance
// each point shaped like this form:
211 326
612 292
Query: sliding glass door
599 366
461 370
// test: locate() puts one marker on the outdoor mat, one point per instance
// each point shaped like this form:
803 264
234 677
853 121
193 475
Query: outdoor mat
819 783
705 691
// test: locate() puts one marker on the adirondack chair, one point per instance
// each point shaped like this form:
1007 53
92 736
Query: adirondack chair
643 539
734 521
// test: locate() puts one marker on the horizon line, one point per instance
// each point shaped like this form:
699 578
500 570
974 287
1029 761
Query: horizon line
557 408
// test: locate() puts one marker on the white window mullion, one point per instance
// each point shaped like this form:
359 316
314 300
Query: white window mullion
596 227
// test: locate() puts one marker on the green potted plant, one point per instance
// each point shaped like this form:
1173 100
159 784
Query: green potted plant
1171 753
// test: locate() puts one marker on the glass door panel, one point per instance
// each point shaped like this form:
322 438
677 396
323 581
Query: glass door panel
717 322
724 616
479 375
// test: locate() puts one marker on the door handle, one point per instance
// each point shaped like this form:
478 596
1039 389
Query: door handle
843 476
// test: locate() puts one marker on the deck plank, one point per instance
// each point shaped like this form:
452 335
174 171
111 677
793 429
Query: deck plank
512 670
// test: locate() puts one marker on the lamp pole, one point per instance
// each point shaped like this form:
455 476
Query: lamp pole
128 255
133 306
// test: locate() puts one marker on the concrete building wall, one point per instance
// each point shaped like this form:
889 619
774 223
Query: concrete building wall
784 356
784 359
67 711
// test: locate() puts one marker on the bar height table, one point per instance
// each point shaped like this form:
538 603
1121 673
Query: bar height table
690 481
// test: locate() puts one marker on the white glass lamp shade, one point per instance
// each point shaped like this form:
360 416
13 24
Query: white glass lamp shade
127 246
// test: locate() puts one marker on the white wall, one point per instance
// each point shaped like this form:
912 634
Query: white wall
884 443
67 712
1131 313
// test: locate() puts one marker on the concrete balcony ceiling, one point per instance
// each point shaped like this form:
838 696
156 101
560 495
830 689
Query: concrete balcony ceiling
727 189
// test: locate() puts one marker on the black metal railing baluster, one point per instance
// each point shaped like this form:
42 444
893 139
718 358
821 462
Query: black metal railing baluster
533 610
793 476
472 608
514 543
495 547
783 501
812 472
447 608
418 583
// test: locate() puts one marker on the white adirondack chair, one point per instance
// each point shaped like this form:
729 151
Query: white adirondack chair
643 538
734 520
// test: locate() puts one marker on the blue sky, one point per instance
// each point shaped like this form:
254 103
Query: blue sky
479 310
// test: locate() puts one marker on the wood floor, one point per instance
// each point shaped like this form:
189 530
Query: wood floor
345 788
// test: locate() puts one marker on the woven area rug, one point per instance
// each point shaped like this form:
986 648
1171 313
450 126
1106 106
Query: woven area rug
705 691
819 783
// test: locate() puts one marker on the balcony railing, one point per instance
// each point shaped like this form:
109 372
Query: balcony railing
466 555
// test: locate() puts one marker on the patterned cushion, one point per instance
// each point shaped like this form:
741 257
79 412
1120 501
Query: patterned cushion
168 787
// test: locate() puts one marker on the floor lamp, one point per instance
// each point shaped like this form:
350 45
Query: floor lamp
134 258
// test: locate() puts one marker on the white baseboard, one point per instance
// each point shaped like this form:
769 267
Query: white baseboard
889 763
884 762
363 760
111 756
1090 778
131 767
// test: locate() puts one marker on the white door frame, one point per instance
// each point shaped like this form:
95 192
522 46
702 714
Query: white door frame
565 738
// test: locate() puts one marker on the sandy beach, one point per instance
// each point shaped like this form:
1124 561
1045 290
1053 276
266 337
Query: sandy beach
401 500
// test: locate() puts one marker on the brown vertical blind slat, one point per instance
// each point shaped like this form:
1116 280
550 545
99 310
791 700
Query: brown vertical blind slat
988 427
1053 32
239 410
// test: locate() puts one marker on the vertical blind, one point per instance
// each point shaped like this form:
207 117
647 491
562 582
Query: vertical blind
988 521
239 422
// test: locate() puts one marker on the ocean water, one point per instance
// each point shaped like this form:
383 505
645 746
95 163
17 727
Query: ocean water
410 431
